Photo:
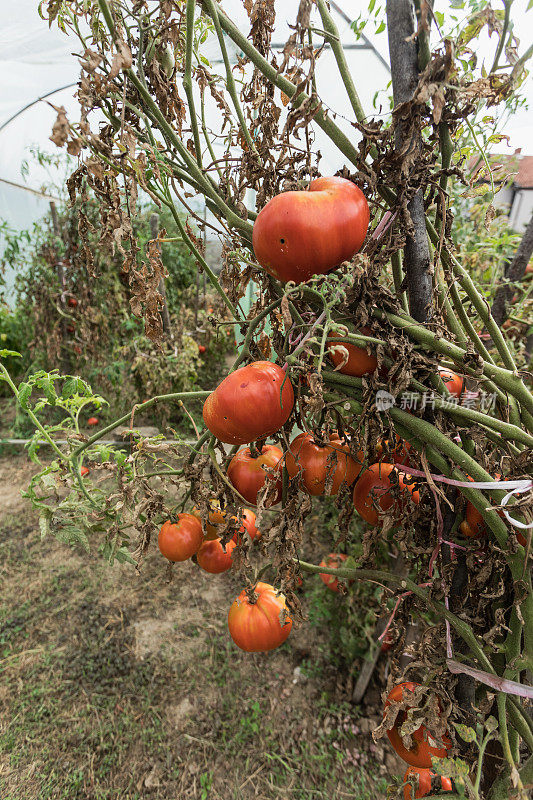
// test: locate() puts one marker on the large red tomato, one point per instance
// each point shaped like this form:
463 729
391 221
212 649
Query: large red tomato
246 406
359 363
319 464
248 474
333 561
255 625
212 557
373 487
181 540
453 382
422 750
300 234
426 780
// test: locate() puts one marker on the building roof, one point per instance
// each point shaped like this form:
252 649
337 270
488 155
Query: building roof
515 169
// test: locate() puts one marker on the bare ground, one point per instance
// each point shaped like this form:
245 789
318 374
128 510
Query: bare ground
119 685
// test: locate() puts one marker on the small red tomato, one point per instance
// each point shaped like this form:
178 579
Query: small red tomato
426 781
180 540
529 269
248 474
93 421
395 449
72 302
453 382
359 363
70 328
217 518
318 463
249 404
254 623
304 233
373 487
202 348
213 558
84 471
333 561
424 747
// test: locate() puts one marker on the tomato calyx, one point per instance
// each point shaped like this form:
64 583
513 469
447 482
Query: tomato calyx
251 594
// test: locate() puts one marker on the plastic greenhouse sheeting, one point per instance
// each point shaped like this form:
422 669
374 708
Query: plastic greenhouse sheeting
37 60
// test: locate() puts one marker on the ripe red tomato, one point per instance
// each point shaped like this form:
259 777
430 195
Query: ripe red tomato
395 450
426 780
248 475
217 518
529 269
255 626
72 302
181 540
212 558
316 463
246 405
334 561
84 471
373 486
453 382
422 750
92 421
359 363
300 234
70 328
202 348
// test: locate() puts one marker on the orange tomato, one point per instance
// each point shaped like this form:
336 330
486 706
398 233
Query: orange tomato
218 517
394 449
319 464
304 233
422 750
359 363
213 558
181 540
255 625
249 404
453 382
247 473
334 561
374 487
426 780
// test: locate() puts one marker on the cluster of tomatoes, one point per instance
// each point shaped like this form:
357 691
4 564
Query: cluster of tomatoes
421 750
258 620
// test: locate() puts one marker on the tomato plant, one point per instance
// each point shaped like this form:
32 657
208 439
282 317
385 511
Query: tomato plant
374 487
248 472
322 466
254 619
180 540
423 747
250 403
301 233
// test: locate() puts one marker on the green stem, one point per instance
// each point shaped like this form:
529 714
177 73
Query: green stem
397 276
230 82
187 80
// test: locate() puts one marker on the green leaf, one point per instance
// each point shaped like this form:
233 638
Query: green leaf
9 354
371 5
439 16
381 28
24 394
466 733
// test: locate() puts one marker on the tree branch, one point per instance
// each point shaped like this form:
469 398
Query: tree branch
404 70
